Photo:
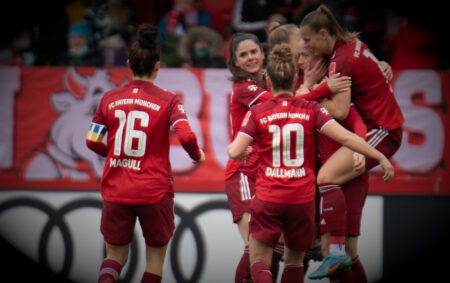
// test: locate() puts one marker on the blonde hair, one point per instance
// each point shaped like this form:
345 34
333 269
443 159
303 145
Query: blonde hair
278 33
323 18
281 68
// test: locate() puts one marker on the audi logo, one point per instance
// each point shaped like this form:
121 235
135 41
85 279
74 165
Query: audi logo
56 220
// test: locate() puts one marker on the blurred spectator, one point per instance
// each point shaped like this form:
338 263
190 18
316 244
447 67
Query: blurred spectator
175 23
113 27
252 15
201 47
149 11
414 48
81 51
17 51
76 10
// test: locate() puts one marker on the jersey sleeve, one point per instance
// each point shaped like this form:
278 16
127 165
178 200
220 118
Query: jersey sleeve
322 115
320 92
187 139
250 94
176 111
96 132
248 125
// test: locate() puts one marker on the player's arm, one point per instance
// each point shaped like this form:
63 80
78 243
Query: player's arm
333 93
338 133
94 139
240 146
188 141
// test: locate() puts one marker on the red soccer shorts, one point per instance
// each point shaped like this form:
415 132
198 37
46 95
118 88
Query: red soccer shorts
386 141
296 221
156 219
240 191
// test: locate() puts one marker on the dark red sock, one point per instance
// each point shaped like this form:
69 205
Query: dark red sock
342 277
150 278
260 272
109 271
243 269
293 273
358 272
276 257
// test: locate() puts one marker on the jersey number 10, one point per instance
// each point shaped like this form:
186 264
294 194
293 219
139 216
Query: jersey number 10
286 133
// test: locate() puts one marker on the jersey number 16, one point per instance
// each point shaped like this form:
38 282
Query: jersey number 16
130 133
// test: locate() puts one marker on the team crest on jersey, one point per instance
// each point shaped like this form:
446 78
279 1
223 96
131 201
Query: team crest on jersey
324 110
252 87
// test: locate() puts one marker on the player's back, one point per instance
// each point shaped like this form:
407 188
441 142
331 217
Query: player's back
138 116
372 93
286 128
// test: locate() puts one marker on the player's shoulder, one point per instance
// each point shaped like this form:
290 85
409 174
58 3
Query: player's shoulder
308 105
264 106
247 86
115 92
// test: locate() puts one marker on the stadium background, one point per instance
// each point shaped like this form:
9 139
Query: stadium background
408 218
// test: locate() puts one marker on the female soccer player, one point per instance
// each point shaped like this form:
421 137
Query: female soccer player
246 66
284 129
245 63
372 96
137 179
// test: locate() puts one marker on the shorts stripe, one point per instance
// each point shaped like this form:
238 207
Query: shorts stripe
245 188
378 137
110 271
326 188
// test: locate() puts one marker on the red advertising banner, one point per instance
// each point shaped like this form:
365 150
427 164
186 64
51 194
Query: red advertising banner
46 113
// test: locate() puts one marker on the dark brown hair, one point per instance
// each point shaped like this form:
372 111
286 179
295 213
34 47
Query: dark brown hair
146 51
323 18
281 68
237 73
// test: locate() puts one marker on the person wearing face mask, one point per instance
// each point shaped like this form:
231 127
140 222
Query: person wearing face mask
80 48
201 47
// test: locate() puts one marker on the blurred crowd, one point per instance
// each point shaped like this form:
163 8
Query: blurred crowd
196 33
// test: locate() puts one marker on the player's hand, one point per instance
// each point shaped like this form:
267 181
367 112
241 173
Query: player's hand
338 83
302 90
248 150
388 170
202 158
387 70
313 74
359 161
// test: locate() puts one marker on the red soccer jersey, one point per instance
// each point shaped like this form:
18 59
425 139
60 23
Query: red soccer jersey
285 130
137 117
245 94
371 92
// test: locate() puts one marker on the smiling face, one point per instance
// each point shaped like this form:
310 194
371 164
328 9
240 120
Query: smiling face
249 57
316 41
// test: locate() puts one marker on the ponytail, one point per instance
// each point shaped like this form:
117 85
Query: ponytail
323 18
146 51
